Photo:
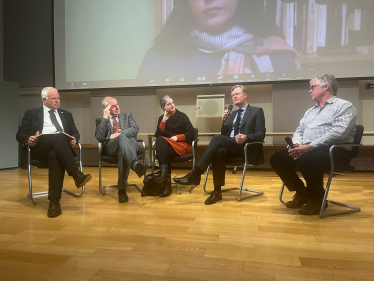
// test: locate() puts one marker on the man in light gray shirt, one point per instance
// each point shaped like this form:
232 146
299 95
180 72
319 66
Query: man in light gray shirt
330 121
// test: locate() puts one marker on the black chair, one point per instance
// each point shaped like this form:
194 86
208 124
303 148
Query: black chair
44 164
338 167
182 158
114 160
238 161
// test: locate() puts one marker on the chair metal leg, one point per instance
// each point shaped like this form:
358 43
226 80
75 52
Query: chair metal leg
352 209
281 194
240 188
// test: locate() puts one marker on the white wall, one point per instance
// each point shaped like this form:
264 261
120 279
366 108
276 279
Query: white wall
284 105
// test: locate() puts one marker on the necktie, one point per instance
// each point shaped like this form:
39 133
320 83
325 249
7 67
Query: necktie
115 125
237 123
54 120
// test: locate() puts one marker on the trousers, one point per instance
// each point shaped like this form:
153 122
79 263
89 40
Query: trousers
312 165
127 150
56 150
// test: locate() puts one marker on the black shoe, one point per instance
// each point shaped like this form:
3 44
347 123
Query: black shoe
312 207
213 198
164 174
167 188
81 179
189 179
298 200
141 169
122 196
54 209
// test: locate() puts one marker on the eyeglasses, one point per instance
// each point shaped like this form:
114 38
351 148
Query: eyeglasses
312 87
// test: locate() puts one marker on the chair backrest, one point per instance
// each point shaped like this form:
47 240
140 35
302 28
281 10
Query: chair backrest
195 134
357 140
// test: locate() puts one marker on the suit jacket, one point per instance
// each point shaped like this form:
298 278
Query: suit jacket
33 121
253 126
128 127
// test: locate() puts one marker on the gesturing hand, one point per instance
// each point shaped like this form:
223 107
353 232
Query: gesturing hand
240 138
299 150
33 140
166 116
106 111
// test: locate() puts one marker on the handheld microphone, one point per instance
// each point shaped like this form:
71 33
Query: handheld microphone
289 142
228 113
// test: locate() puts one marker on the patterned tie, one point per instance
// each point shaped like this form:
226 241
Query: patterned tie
54 120
237 123
115 125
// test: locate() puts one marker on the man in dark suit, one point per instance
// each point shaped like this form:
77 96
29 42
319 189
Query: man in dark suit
247 124
40 130
118 131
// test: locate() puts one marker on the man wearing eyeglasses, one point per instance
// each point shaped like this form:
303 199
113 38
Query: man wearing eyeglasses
118 131
330 121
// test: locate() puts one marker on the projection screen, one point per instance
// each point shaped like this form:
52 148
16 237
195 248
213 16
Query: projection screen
140 43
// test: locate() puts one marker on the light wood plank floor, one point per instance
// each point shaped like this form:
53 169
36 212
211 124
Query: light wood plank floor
179 238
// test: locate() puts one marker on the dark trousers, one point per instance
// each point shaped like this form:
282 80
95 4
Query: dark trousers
165 152
56 150
312 165
220 148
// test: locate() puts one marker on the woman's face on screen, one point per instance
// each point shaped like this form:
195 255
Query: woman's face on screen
213 15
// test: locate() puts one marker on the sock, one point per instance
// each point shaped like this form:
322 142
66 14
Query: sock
217 188
198 171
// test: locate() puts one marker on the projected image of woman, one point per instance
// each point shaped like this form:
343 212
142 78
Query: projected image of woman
217 37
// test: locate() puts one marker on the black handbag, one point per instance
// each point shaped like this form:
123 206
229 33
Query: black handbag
151 188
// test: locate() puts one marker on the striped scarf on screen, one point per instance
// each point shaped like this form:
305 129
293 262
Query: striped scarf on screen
242 53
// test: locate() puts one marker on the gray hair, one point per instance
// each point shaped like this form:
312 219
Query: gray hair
244 90
326 79
45 91
105 101
163 101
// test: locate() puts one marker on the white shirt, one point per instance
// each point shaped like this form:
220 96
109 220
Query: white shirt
48 127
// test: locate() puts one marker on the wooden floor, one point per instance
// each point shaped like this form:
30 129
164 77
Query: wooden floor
179 238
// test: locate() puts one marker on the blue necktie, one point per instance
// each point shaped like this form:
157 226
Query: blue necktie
237 123
54 120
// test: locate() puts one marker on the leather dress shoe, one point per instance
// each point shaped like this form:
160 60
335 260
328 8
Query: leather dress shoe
54 209
122 196
298 200
141 169
213 198
81 179
192 178
312 207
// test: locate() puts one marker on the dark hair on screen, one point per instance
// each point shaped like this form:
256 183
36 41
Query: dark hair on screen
175 35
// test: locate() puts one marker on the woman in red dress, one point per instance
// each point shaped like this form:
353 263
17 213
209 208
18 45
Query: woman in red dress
174 135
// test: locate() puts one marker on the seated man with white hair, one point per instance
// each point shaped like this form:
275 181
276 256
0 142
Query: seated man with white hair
118 133
53 147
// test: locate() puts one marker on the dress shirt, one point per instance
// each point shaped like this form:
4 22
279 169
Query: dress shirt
334 123
111 122
48 127
244 108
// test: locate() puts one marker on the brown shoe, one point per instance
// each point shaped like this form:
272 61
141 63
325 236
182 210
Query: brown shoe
298 200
